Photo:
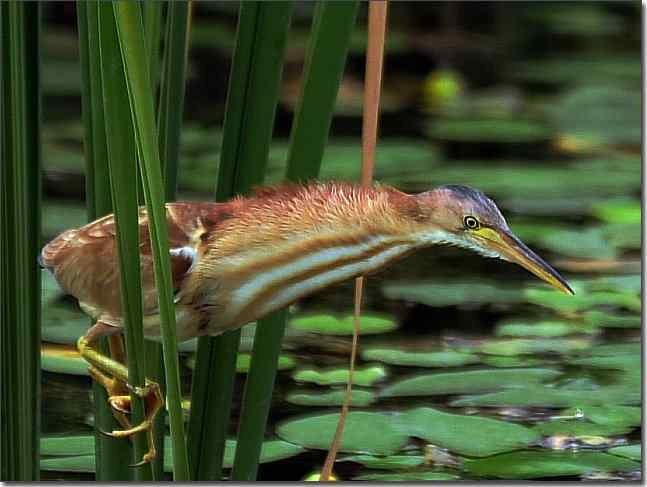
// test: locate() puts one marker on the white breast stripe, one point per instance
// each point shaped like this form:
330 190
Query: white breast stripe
248 291
295 291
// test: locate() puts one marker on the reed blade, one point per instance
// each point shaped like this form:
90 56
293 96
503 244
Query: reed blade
20 224
132 44
249 119
112 455
327 52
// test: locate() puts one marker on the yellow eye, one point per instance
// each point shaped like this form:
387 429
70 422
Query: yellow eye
471 223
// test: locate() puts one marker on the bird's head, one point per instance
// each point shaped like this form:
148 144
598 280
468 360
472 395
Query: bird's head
462 216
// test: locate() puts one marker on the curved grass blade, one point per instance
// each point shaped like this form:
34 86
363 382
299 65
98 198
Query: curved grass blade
330 39
20 224
248 128
113 455
122 165
132 44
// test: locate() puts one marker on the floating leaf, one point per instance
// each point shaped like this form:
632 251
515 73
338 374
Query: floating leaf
609 415
469 381
619 211
466 435
449 358
365 432
538 329
62 359
512 361
579 428
608 320
76 453
632 452
581 301
581 243
243 361
360 398
544 396
452 293
509 131
537 464
622 362
519 346
420 476
363 376
331 325
393 462
611 349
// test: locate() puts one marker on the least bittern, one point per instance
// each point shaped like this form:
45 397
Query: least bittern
235 262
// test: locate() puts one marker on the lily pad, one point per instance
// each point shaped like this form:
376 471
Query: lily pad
537 464
544 396
466 435
577 428
500 130
609 414
512 361
360 398
609 320
76 453
362 376
633 452
537 329
331 325
449 358
581 301
365 432
520 346
62 359
466 382
243 361
622 362
452 293
613 349
393 462
420 476
581 243
619 211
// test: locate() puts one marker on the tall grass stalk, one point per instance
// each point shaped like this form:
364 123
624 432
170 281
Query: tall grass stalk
122 165
251 103
328 48
372 89
132 44
112 455
20 223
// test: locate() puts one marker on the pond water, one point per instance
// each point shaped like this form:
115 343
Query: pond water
469 368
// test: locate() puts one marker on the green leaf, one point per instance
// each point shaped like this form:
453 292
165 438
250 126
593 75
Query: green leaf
510 131
331 325
619 211
466 435
449 358
578 428
450 293
421 476
608 415
360 398
519 346
371 433
538 329
243 360
393 462
465 382
633 452
581 301
362 376
537 464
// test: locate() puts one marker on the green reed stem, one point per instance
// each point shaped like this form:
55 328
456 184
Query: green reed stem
122 165
112 455
20 223
171 105
327 52
131 41
249 119
152 14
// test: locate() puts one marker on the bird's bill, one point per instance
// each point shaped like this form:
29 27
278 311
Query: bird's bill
514 250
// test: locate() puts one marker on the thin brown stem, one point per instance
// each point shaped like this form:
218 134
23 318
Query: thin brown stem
377 11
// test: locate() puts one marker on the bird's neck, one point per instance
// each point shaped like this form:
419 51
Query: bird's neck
289 245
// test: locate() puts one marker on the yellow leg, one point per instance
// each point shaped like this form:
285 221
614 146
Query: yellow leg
113 375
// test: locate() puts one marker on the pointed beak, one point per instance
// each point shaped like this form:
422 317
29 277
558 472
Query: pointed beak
514 250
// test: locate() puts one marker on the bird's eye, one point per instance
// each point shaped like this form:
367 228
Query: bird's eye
471 223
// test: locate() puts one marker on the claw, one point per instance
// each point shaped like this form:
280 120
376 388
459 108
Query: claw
106 433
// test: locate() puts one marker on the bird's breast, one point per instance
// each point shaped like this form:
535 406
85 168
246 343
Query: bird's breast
259 281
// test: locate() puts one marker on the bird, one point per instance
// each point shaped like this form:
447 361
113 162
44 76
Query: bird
234 262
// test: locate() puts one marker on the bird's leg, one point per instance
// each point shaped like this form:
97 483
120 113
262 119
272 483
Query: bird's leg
113 375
